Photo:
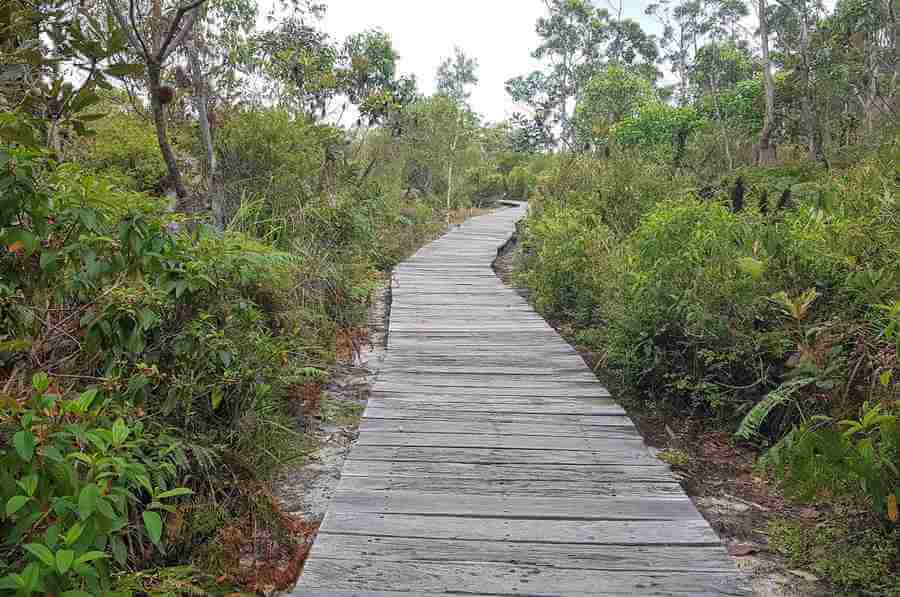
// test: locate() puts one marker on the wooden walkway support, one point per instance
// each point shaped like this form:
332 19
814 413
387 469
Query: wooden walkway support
492 462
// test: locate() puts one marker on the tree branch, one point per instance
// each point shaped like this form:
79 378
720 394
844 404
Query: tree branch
137 34
174 37
135 42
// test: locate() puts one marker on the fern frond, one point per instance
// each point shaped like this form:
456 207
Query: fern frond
753 420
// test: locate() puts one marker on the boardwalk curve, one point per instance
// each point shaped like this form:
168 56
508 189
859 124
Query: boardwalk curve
492 462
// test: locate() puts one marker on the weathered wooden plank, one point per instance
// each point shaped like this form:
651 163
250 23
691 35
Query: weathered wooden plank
508 579
478 506
519 487
502 415
450 386
691 531
659 558
478 427
500 376
497 404
520 442
611 473
621 455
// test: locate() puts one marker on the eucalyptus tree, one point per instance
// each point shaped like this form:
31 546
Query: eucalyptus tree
454 77
766 151
794 22
610 95
857 58
577 38
212 53
155 30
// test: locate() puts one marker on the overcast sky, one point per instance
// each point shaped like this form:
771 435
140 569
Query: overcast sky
499 33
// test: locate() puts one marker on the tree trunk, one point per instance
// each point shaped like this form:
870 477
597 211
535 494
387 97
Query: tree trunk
766 155
54 142
450 167
159 120
810 118
201 100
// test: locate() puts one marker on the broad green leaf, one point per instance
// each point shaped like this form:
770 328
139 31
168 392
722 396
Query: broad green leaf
64 559
90 557
52 453
24 444
120 431
178 491
104 507
42 553
31 577
216 398
74 533
15 503
28 484
40 382
49 261
87 500
86 399
153 524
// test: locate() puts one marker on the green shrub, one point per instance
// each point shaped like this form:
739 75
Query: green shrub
83 481
197 332
852 559
855 456
270 165
124 146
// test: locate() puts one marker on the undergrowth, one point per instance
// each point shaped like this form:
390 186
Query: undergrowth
766 299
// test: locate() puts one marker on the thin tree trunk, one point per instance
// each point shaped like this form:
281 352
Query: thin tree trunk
54 143
766 155
201 99
810 118
450 167
159 120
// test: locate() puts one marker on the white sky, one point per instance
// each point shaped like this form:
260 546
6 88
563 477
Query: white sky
499 33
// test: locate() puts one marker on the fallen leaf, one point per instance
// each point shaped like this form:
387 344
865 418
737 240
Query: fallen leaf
16 247
804 575
741 549
892 507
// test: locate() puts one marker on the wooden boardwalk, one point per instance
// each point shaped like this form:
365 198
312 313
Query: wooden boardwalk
491 461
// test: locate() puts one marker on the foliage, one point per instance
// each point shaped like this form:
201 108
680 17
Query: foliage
609 96
576 40
866 560
204 335
83 481
659 127
855 456
124 144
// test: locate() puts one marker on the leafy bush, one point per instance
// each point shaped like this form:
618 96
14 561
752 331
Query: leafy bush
686 300
270 165
123 146
210 335
779 307
856 559
83 481
854 456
